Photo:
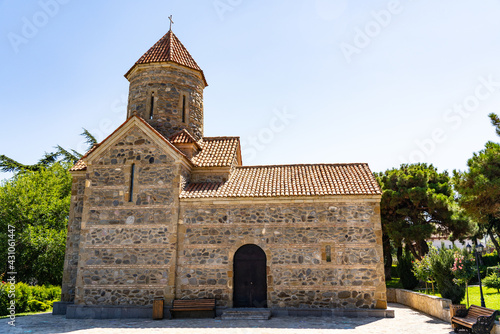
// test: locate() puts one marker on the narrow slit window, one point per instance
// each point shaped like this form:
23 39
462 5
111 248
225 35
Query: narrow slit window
328 251
152 106
184 109
131 190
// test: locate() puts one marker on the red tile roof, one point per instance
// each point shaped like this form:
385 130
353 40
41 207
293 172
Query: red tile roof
214 151
290 180
217 152
169 48
183 137
78 166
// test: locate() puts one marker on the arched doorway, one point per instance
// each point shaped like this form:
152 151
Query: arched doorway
250 277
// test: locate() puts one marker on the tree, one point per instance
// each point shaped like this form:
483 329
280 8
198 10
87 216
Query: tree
406 274
10 165
464 267
36 204
417 202
422 270
479 190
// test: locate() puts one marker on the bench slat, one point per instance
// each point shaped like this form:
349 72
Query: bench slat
193 305
463 323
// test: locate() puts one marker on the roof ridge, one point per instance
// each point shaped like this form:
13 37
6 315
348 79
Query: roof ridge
170 48
177 138
311 164
221 137
181 131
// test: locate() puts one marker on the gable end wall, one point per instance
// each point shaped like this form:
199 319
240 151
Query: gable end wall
128 249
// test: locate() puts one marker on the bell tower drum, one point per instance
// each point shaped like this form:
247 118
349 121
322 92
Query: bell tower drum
166 88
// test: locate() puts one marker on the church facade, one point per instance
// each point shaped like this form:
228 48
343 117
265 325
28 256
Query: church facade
160 211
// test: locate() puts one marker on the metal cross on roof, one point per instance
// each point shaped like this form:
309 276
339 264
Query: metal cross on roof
171 21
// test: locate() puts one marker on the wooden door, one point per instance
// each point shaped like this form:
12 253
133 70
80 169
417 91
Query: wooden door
250 277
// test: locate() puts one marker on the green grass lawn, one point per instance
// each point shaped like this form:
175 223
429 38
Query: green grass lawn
394 283
491 297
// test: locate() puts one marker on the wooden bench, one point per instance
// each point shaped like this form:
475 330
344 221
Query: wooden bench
476 319
183 305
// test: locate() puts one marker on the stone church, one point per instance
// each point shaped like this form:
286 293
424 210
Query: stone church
160 211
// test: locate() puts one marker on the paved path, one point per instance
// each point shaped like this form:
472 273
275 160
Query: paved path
406 321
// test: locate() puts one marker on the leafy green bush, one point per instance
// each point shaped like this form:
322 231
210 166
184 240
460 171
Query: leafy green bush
37 306
490 270
4 298
23 295
492 281
491 260
464 267
405 271
487 261
28 298
441 262
51 302
422 269
46 292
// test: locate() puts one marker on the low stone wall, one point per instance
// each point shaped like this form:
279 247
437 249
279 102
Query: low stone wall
435 306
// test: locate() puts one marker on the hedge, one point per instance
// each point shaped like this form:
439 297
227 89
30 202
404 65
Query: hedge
28 298
491 260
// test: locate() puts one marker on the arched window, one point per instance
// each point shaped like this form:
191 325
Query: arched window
328 251
152 105
183 108
131 189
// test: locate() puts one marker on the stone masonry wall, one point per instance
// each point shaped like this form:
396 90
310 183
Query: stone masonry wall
128 244
319 254
169 84
73 238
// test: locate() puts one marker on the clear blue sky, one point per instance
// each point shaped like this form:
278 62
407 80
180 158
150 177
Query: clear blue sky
382 82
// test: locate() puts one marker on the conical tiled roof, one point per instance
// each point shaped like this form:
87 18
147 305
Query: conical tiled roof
169 49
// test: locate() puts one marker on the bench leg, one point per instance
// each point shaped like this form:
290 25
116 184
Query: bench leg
483 326
458 329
